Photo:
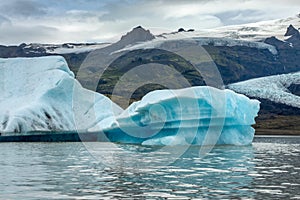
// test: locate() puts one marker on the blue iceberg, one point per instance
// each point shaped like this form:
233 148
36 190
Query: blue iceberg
197 115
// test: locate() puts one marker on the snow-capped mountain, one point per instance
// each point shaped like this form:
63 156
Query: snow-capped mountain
250 35
138 34
257 31
62 48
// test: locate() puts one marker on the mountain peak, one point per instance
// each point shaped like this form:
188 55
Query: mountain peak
138 27
137 34
294 36
291 30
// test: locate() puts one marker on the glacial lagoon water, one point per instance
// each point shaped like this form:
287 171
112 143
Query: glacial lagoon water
267 169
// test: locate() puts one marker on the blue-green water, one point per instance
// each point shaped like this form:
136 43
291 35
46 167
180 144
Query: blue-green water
268 169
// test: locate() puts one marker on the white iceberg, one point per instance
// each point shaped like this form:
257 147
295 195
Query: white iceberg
41 94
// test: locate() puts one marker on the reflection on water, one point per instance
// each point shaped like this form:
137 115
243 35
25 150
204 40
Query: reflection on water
264 170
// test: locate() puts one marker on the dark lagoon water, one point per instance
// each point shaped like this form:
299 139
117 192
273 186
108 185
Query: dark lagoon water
267 169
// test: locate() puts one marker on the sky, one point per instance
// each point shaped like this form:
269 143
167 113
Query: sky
61 21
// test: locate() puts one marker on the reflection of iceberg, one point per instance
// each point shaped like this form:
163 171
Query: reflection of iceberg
41 94
224 171
193 115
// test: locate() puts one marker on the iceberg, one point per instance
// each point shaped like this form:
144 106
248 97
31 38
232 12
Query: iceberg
42 94
197 115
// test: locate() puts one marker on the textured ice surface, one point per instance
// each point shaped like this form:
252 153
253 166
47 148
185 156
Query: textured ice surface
196 115
42 94
273 88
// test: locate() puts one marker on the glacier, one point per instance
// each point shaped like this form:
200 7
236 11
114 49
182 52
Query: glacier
273 88
42 94
256 32
201 41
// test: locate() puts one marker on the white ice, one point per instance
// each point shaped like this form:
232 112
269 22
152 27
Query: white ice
41 94
273 88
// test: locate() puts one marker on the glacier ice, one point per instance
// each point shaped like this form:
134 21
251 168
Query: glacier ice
273 88
201 41
197 115
41 94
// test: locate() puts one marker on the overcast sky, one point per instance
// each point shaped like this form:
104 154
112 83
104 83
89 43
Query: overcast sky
59 21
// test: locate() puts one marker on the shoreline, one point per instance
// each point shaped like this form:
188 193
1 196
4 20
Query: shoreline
101 137
275 132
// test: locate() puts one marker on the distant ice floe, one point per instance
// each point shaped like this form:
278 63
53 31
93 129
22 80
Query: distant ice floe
274 88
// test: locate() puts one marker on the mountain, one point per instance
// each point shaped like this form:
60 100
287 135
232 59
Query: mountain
138 34
293 36
292 39
236 60
33 50
291 31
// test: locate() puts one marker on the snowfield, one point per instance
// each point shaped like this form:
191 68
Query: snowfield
257 31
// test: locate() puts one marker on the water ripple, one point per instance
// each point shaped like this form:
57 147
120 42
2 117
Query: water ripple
264 170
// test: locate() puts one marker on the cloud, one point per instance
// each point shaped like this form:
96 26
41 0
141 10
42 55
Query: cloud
240 16
4 20
52 21
11 34
23 8
226 12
